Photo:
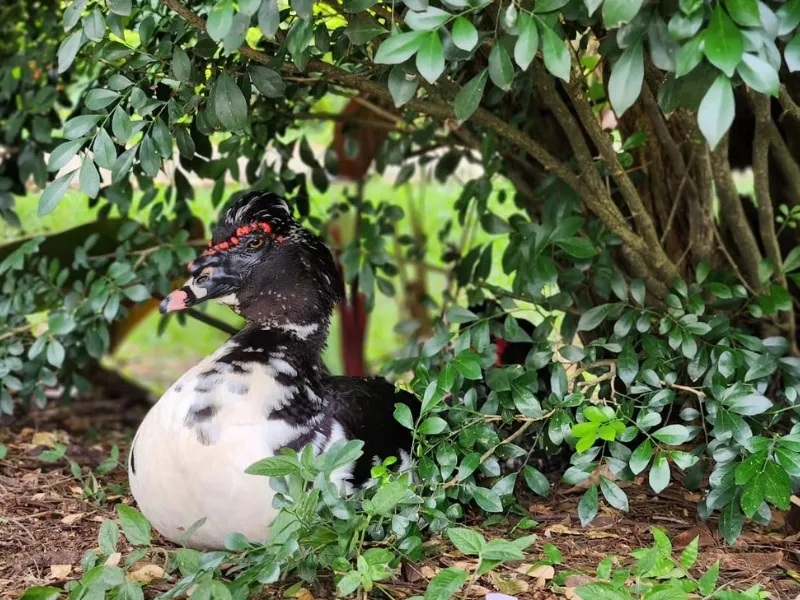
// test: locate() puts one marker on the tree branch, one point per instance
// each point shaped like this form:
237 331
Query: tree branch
766 216
733 213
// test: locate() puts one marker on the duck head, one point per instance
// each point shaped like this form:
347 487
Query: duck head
265 266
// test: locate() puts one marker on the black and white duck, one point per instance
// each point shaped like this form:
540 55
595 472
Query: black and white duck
263 390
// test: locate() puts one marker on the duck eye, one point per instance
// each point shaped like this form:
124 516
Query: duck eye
201 279
255 243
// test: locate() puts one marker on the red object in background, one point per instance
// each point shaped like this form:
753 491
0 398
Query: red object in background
367 138
354 168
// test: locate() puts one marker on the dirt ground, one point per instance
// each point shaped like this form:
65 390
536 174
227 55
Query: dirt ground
49 519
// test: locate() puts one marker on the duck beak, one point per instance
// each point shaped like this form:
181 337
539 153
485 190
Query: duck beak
211 278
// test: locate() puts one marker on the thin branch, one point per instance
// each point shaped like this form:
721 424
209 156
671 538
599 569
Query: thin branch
644 223
766 216
732 263
788 104
733 213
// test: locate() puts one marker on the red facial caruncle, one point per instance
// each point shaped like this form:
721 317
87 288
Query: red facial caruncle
240 232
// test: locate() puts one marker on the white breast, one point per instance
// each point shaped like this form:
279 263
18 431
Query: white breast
188 470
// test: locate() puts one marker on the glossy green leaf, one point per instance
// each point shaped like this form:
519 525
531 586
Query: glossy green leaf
723 44
54 192
555 52
759 75
618 12
717 110
399 48
465 36
469 98
230 106
430 57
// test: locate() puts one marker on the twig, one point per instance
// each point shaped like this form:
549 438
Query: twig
16 330
486 455
788 104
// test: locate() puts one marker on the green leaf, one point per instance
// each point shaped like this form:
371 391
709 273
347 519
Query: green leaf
759 75
402 414
433 426
123 164
501 550
120 7
108 538
527 43
689 55
555 52
750 405
148 158
274 466
80 126
689 555
627 364
55 353
619 12
303 8
592 318
469 98
488 500
788 17
430 57
54 192
41 593
467 541
63 153
99 98
641 457
387 497
791 54
267 81
220 20
89 178
717 111
103 149
445 583
403 84
362 29
349 583
708 582
230 106
501 70
429 19
536 481
468 363
588 505
121 125
181 64
744 12
613 494
578 247
659 474
137 293
68 50
398 48
72 13
269 19
465 36
724 44
753 495
134 525
672 435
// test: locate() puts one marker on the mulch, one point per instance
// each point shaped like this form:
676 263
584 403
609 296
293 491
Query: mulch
48 521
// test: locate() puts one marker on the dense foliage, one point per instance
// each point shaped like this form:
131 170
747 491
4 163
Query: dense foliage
665 342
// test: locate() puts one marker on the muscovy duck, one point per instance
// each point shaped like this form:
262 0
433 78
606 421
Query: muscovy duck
263 390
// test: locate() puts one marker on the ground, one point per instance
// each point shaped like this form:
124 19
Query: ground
49 518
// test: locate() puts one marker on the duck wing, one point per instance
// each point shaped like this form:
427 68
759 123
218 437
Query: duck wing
364 406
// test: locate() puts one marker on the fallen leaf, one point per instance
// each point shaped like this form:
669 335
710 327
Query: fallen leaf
60 571
427 572
685 538
507 585
543 572
113 559
494 596
574 581
304 594
73 518
146 573
752 562
44 438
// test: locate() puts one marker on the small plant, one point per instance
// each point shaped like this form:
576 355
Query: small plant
656 575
